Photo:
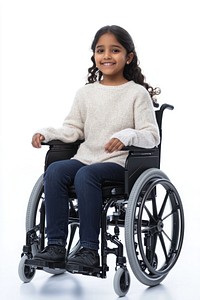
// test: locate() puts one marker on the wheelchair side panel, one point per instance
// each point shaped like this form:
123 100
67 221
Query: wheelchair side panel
137 162
60 151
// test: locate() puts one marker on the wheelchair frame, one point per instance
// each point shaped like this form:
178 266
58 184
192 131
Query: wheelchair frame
142 205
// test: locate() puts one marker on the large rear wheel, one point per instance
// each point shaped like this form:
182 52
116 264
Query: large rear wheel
154 227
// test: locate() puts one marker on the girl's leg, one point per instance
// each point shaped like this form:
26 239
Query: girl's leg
88 181
58 177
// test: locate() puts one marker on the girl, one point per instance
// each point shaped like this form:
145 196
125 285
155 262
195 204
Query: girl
114 109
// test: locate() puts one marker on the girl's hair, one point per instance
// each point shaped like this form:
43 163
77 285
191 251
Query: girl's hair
132 71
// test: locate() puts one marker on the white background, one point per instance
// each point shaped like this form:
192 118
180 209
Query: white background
45 55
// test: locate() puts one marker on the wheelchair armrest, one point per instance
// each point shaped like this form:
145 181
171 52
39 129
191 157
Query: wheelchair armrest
59 150
138 150
60 143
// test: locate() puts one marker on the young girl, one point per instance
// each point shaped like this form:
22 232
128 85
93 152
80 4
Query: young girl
114 109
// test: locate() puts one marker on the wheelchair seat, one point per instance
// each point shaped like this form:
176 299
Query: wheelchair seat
146 207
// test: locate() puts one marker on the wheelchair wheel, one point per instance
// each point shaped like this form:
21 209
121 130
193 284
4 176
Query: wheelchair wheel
26 273
33 218
154 227
121 282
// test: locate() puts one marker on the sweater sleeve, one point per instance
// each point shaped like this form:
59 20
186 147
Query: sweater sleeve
72 128
145 133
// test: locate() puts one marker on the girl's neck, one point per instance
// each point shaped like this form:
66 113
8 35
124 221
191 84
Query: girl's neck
113 82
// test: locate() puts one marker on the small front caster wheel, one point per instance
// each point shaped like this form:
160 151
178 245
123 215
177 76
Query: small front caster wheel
26 273
121 282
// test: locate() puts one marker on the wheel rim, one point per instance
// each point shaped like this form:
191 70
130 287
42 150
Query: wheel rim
29 272
125 281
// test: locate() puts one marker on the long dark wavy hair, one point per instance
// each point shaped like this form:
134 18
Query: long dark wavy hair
132 71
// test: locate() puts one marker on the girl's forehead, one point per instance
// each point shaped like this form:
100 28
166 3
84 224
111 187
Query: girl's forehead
107 39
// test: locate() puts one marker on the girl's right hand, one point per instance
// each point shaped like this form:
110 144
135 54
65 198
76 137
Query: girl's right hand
37 139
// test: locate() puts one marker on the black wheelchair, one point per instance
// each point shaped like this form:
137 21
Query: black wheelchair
146 207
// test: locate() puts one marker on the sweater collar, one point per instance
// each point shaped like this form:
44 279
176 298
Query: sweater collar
114 87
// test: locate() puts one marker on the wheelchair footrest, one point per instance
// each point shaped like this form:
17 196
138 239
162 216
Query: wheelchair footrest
45 264
75 269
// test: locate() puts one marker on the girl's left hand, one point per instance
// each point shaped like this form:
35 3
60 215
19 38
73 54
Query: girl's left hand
113 145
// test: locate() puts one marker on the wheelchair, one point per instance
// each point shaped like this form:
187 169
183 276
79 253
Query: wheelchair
146 207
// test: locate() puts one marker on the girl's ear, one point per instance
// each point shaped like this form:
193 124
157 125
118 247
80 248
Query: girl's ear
130 57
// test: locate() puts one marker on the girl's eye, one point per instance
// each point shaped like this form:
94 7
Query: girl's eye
99 51
115 51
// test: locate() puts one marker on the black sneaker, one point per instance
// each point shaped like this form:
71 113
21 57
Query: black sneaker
52 253
85 258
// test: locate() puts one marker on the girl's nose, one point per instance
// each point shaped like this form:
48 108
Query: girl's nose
107 55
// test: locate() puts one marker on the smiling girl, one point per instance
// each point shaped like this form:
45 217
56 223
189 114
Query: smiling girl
114 109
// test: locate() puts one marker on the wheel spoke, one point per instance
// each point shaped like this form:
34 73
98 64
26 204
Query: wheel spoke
171 213
163 204
163 244
151 217
154 206
167 236
153 249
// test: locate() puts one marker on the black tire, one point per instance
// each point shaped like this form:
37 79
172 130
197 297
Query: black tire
121 282
26 273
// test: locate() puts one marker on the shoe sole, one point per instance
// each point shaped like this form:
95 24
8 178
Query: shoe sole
83 269
45 264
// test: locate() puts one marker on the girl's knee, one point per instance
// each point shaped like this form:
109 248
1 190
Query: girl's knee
85 175
55 171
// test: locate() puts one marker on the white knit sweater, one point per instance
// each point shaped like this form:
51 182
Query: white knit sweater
100 112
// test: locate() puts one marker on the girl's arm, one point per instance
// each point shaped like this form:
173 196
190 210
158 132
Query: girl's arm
145 133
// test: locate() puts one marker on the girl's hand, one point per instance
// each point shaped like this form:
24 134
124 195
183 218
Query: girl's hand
37 139
113 145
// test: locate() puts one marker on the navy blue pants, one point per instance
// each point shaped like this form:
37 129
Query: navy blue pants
87 180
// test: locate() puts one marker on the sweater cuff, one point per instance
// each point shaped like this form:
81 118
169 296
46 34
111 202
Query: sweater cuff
45 133
126 136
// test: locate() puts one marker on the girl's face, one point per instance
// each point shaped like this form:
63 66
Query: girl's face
110 58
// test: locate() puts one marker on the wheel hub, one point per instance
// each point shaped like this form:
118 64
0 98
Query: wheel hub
160 225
